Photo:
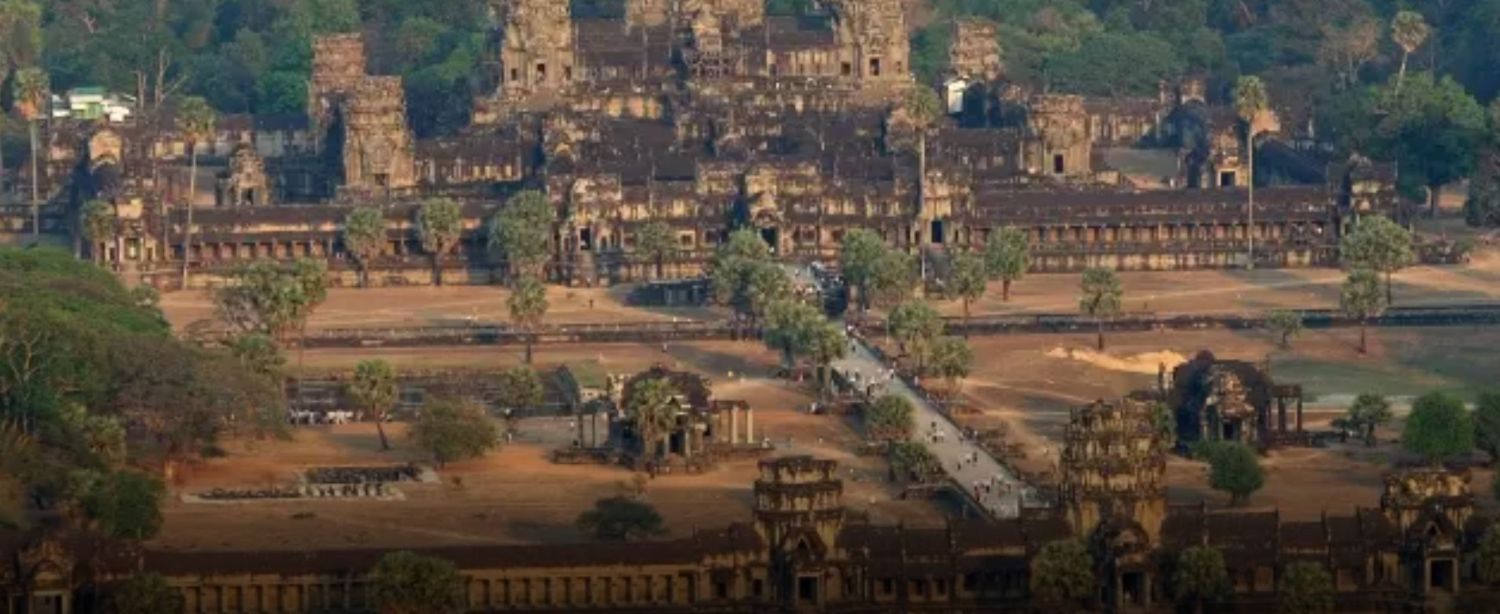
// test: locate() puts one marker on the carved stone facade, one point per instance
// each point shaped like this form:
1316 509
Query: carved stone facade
537 44
803 551
378 147
244 183
974 50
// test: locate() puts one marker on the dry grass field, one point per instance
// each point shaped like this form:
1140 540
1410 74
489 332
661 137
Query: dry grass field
517 494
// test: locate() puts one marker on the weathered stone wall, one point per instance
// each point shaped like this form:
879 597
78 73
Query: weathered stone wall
974 51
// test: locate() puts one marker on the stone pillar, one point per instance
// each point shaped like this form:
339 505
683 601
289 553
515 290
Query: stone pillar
734 425
750 425
1299 414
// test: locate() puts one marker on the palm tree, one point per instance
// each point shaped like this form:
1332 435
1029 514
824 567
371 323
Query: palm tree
31 102
195 120
374 390
1409 30
97 222
439 225
1249 102
528 303
364 237
655 241
650 408
923 110
1101 297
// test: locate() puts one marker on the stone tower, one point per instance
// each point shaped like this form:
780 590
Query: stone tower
647 13
799 513
736 14
974 52
338 68
1058 140
378 145
536 47
1112 464
872 39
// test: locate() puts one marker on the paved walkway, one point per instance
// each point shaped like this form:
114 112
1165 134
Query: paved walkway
967 463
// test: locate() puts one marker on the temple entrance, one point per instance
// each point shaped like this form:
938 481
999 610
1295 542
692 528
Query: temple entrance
1058 164
772 237
807 590
938 236
1440 576
1226 179
1133 588
541 73
1230 431
875 67
586 239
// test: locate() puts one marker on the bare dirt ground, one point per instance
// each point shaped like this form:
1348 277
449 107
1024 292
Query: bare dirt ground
445 306
1243 291
517 495
1027 386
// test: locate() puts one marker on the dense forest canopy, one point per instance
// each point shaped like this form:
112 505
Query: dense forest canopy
254 56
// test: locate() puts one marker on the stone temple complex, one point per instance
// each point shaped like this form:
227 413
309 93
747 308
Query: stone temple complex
706 115
802 550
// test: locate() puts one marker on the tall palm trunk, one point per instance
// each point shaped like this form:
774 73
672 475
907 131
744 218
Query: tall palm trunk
1005 290
437 270
187 226
36 181
1100 338
1390 299
530 341
1363 328
1401 75
385 444
1250 228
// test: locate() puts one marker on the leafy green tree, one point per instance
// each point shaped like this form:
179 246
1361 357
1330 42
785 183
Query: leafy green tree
97 221
520 388
144 593
32 92
1062 572
528 305
439 225
1439 427
1488 555
890 417
1482 207
915 325
1361 299
913 459
765 284
521 231
1200 576
1432 129
655 240
272 299
1487 424
1380 245
259 354
1285 325
1409 30
365 238
651 409
968 278
826 344
125 504
1368 412
1100 299
786 329
196 121
892 278
621 519
1007 257
374 390
404 582
745 277
950 359
1114 64
1234 469
1306 587
452 431
859 251
1164 422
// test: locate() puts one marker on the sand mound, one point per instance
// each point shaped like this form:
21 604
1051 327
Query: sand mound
1146 363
